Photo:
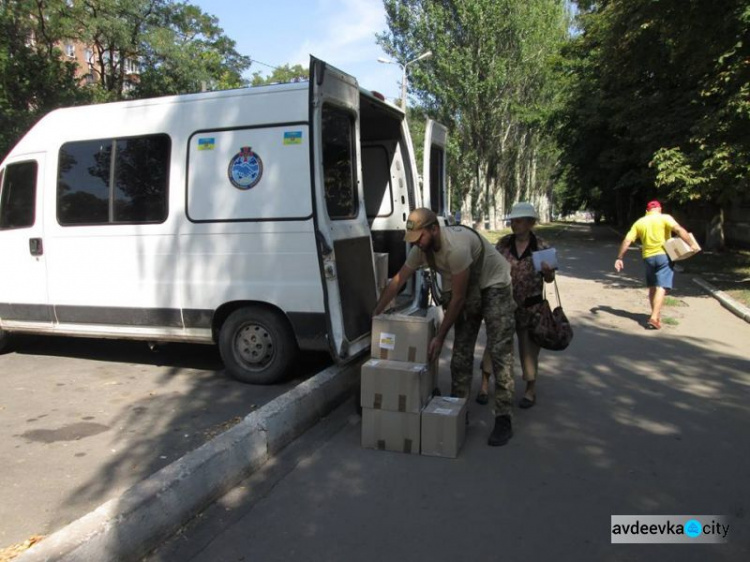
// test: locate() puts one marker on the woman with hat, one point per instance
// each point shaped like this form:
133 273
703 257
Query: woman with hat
527 292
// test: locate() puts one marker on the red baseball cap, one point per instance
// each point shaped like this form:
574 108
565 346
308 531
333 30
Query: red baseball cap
651 205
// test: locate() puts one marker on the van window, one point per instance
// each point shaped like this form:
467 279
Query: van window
436 178
113 181
18 196
338 163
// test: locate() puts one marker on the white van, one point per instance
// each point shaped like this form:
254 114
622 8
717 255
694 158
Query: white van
248 218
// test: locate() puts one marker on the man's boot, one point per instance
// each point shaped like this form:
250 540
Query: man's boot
502 433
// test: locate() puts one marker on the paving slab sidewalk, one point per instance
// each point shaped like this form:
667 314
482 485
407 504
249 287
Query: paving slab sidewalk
628 421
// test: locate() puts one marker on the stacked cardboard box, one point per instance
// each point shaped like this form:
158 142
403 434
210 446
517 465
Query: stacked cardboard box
397 384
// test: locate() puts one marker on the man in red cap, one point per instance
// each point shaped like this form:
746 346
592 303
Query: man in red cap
480 289
653 230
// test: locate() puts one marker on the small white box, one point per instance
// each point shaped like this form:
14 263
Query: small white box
677 249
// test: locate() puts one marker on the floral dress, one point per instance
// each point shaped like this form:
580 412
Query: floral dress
527 282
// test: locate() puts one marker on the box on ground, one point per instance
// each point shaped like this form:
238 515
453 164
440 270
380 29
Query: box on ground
399 337
677 249
396 385
391 431
443 427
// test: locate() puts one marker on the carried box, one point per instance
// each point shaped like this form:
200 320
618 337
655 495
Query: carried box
391 431
677 249
443 426
395 385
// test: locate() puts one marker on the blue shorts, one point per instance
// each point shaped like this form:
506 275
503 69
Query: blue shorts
659 271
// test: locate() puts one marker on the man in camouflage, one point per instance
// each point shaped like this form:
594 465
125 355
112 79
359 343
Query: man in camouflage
480 289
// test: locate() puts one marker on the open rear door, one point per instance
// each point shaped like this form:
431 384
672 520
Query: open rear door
344 242
434 184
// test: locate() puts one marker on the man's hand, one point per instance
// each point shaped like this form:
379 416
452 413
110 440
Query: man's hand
619 264
436 346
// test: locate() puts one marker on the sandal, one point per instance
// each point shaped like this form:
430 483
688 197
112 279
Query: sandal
482 398
653 324
525 403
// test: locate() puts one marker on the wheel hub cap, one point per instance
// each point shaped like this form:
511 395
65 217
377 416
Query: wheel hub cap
254 344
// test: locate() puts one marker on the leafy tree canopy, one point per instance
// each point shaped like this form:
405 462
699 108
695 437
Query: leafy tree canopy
282 75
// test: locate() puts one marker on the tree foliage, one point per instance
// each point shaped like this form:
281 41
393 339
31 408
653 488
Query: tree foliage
177 47
490 79
34 78
281 75
659 104
135 48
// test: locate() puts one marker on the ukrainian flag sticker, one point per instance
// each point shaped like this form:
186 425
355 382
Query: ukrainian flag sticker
293 137
207 143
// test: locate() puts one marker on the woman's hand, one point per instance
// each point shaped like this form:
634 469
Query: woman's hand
547 272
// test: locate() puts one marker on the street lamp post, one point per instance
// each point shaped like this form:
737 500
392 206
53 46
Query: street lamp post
403 72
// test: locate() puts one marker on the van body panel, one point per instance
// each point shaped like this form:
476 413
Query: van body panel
283 191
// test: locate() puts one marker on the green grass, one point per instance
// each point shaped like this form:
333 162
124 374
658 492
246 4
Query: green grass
672 301
669 321
728 271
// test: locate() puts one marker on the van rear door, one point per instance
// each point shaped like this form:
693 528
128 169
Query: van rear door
434 186
344 241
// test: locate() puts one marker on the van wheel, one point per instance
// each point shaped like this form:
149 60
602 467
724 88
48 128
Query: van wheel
4 341
257 345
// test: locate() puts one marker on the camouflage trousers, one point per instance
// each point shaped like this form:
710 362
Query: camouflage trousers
497 308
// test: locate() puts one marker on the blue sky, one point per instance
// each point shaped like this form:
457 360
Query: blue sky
341 32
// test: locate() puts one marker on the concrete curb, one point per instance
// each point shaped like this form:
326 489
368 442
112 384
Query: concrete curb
128 527
726 301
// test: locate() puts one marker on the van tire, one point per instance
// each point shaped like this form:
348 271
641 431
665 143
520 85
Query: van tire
4 341
273 345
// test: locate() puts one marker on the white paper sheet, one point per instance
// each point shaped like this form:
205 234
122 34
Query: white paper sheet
549 256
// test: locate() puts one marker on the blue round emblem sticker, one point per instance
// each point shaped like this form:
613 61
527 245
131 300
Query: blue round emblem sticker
245 169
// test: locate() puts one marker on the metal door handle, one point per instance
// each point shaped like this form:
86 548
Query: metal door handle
35 246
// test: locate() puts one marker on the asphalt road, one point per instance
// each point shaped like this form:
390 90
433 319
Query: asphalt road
82 420
628 422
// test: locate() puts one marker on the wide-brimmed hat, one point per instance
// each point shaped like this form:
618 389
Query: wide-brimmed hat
418 220
522 210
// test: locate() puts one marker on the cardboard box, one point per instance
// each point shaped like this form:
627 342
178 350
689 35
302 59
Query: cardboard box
396 385
391 431
443 427
399 337
677 249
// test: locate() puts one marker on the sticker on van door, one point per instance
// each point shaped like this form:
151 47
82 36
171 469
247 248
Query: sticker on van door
245 169
208 143
292 137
